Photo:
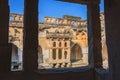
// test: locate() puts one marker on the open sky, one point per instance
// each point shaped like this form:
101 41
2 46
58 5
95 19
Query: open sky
53 8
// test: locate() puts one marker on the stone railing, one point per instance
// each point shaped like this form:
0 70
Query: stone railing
58 35
16 23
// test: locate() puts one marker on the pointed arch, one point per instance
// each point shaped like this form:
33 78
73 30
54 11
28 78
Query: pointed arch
76 53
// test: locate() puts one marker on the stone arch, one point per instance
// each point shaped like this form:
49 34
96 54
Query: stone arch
82 37
76 53
40 55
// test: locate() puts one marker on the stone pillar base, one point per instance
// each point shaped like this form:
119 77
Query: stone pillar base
68 65
85 58
51 65
57 65
63 65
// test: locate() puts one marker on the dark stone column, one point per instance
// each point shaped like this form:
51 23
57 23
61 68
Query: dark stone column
30 36
112 22
94 35
5 55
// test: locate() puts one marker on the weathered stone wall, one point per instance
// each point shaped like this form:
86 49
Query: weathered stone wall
67 28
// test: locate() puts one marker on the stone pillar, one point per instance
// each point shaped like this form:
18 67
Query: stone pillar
57 45
62 43
50 51
63 58
51 65
85 55
68 65
69 51
63 65
68 58
57 54
30 36
112 22
5 53
68 54
50 55
57 65
63 55
94 35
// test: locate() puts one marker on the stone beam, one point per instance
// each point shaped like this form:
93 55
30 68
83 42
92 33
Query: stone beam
81 1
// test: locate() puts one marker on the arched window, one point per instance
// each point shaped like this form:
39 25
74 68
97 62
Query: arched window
65 44
76 53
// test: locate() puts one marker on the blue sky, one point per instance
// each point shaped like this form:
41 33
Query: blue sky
53 8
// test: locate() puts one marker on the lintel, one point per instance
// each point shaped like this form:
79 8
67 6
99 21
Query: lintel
82 1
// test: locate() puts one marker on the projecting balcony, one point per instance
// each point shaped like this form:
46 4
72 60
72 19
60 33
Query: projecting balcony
59 35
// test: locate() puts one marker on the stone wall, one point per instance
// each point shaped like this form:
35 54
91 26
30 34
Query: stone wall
69 28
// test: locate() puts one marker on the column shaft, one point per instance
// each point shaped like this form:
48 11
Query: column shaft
50 55
68 54
30 36
63 55
112 22
4 22
94 35
5 52
57 54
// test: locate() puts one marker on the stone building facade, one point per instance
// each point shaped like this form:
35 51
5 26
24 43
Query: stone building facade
62 41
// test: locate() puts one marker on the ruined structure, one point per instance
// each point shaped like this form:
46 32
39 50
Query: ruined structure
93 71
62 41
